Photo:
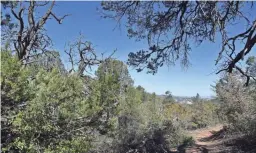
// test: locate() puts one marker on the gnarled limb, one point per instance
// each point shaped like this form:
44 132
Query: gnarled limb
82 55
32 39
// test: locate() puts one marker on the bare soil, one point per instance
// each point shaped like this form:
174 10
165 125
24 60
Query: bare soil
214 140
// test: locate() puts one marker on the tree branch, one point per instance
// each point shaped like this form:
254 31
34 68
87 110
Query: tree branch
59 19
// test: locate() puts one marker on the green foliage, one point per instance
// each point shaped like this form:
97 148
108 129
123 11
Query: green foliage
142 126
169 98
118 71
204 114
196 98
251 60
237 104
113 79
129 104
13 79
185 21
57 107
14 92
47 61
70 146
197 115
189 141
112 82
46 110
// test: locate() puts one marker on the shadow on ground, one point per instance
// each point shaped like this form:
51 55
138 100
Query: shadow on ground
235 145
216 135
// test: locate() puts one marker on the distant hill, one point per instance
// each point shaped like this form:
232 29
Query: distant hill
184 99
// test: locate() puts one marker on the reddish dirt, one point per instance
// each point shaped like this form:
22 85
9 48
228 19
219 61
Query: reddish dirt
214 140
201 134
203 141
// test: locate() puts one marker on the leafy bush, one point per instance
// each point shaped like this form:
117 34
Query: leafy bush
145 130
15 92
47 110
197 115
237 104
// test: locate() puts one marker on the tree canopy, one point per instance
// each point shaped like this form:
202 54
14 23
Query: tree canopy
170 27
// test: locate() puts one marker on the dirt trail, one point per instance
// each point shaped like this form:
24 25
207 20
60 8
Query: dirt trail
214 140
201 134
204 141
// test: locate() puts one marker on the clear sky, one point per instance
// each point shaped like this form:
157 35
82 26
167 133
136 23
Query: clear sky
85 18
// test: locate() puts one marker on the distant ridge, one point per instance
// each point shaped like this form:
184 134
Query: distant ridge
185 99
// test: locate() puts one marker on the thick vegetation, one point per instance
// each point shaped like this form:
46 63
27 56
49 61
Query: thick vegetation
47 108
238 104
48 111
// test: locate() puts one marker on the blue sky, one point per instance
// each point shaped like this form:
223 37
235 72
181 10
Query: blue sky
85 18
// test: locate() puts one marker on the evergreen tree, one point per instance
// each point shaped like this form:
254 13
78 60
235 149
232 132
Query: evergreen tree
15 93
169 98
197 98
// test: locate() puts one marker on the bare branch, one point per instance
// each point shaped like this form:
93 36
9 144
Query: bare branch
20 50
59 19
248 77
82 54
31 19
46 16
32 37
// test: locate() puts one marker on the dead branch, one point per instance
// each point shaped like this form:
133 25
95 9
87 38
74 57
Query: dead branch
82 54
59 19
32 37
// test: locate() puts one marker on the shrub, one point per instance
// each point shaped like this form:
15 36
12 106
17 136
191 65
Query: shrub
237 104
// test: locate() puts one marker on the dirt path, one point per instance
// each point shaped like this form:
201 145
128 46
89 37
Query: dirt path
204 141
214 140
